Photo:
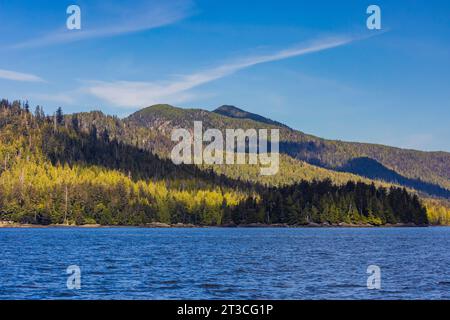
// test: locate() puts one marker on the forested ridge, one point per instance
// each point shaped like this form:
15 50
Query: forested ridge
150 129
75 170
415 169
426 172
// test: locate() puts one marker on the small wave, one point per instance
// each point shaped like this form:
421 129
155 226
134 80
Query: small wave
210 286
169 282
344 285
170 287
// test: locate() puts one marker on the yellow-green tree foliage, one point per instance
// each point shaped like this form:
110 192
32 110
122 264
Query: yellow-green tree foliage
438 211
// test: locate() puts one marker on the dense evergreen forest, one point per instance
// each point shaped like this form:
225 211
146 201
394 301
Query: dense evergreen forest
426 172
323 202
67 170
150 129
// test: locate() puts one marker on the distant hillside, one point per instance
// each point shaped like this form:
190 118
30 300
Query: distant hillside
150 129
427 172
233 112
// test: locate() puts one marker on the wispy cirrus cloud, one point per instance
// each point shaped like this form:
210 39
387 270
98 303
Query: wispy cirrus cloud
19 76
115 19
130 94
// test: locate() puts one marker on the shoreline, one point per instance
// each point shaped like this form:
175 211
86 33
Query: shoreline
157 225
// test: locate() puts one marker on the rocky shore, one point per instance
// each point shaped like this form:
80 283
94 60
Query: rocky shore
11 224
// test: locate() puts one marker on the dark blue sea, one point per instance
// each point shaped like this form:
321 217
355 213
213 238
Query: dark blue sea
225 263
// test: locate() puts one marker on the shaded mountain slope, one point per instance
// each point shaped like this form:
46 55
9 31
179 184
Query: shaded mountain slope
427 172
152 131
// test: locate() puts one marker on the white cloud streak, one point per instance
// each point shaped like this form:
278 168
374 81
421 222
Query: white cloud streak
19 76
129 94
142 15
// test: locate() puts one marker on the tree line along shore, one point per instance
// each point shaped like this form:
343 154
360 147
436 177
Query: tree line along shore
54 173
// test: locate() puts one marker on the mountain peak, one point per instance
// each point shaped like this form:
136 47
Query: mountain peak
158 107
229 109
166 110
235 112
162 106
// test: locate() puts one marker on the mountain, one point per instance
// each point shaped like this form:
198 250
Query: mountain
233 112
90 168
426 172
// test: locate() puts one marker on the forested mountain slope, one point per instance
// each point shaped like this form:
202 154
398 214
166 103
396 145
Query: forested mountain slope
152 133
233 112
427 172
53 170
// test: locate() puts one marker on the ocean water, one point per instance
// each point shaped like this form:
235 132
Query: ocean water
225 263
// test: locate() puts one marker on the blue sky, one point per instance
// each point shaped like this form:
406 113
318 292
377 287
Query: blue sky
310 64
